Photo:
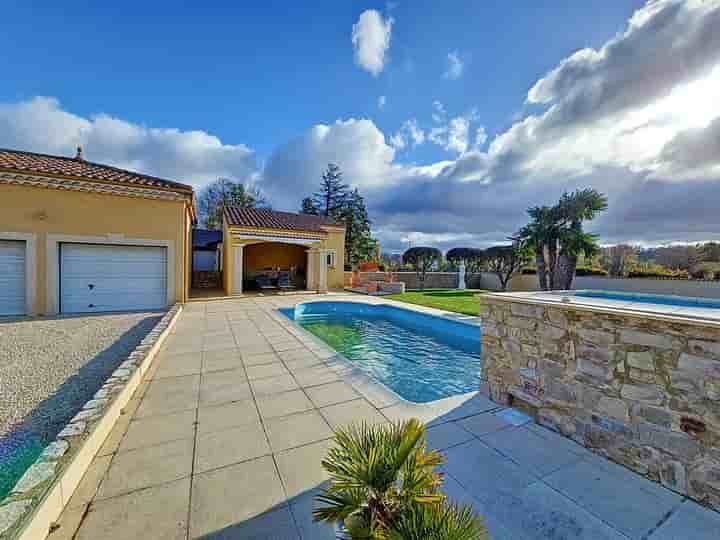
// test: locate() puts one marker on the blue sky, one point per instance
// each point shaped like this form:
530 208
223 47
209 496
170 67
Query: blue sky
270 92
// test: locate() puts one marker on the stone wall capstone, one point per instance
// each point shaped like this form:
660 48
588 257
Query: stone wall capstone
642 391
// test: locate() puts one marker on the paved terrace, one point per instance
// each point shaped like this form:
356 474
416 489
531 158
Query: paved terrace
224 440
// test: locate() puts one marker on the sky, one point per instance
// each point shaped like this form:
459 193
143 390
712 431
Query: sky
452 118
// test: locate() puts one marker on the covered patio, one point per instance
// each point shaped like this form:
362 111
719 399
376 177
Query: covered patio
266 251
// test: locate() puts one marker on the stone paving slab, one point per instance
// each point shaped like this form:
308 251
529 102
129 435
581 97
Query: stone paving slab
257 441
632 503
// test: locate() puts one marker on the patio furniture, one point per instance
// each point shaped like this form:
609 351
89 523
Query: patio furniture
284 282
264 282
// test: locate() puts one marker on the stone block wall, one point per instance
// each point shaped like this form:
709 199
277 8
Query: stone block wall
641 391
433 280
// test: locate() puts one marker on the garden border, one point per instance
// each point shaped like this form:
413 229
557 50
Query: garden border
41 494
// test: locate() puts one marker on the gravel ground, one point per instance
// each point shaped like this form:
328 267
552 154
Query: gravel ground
62 362
49 368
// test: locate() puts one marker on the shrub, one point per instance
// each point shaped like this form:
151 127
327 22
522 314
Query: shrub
383 485
590 271
667 274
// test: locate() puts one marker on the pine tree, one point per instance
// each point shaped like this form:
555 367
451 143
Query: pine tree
308 207
330 200
357 228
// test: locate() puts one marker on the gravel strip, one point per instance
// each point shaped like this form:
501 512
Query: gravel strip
50 367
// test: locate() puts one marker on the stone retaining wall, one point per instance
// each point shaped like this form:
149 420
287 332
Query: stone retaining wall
39 496
641 390
433 280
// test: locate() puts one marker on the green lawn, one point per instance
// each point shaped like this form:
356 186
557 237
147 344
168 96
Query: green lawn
465 301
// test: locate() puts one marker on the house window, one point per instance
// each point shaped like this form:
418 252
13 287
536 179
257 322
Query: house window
330 258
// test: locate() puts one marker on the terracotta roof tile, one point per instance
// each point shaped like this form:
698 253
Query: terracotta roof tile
30 162
261 218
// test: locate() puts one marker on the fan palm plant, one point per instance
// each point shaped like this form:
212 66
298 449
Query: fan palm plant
383 486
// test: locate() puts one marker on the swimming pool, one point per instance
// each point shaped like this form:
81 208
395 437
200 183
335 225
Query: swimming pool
420 357
658 299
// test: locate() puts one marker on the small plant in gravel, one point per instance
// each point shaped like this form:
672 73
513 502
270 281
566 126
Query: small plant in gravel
383 486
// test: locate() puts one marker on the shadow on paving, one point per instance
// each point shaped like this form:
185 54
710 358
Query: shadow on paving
527 483
24 442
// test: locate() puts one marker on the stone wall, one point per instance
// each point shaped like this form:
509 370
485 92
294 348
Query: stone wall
433 280
642 391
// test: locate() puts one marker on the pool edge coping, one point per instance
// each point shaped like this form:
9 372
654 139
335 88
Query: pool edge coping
356 376
527 298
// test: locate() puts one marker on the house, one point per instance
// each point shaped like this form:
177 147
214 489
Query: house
262 248
77 236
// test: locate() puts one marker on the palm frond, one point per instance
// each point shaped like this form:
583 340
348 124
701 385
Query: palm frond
438 522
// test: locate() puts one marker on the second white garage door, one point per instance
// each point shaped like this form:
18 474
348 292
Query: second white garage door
112 278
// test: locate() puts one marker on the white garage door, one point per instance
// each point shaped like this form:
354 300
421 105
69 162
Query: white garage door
112 278
12 277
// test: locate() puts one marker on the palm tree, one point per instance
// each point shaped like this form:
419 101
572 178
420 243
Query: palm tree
383 486
540 236
557 237
573 209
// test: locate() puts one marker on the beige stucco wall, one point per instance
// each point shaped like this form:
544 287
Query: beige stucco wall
336 240
48 211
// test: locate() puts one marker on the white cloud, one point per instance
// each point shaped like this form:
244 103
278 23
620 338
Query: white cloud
439 112
625 119
382 101
357 145
195 157
481 137
371 40
455 66
409 134
454 136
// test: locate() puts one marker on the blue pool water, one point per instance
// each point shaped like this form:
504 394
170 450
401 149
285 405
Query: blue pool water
658 299
421 357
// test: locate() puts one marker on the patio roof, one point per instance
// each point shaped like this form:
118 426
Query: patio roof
263 218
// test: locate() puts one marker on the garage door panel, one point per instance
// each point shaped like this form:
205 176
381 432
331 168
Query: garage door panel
12 277
112 278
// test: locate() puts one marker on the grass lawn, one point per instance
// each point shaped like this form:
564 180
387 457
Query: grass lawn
465 301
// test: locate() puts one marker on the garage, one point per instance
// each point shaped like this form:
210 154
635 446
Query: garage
98 277
12 277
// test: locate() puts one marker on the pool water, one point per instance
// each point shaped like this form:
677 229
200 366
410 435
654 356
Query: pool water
420 357
658 299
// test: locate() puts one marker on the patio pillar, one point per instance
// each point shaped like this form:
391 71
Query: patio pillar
237 282
322 281
309 271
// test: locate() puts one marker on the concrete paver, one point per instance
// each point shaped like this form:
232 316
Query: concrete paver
331 393
274 405
633 504
357 410
147 466
159 429
300 468
230 446
227 415
296 430
159 512
233 445
228 496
